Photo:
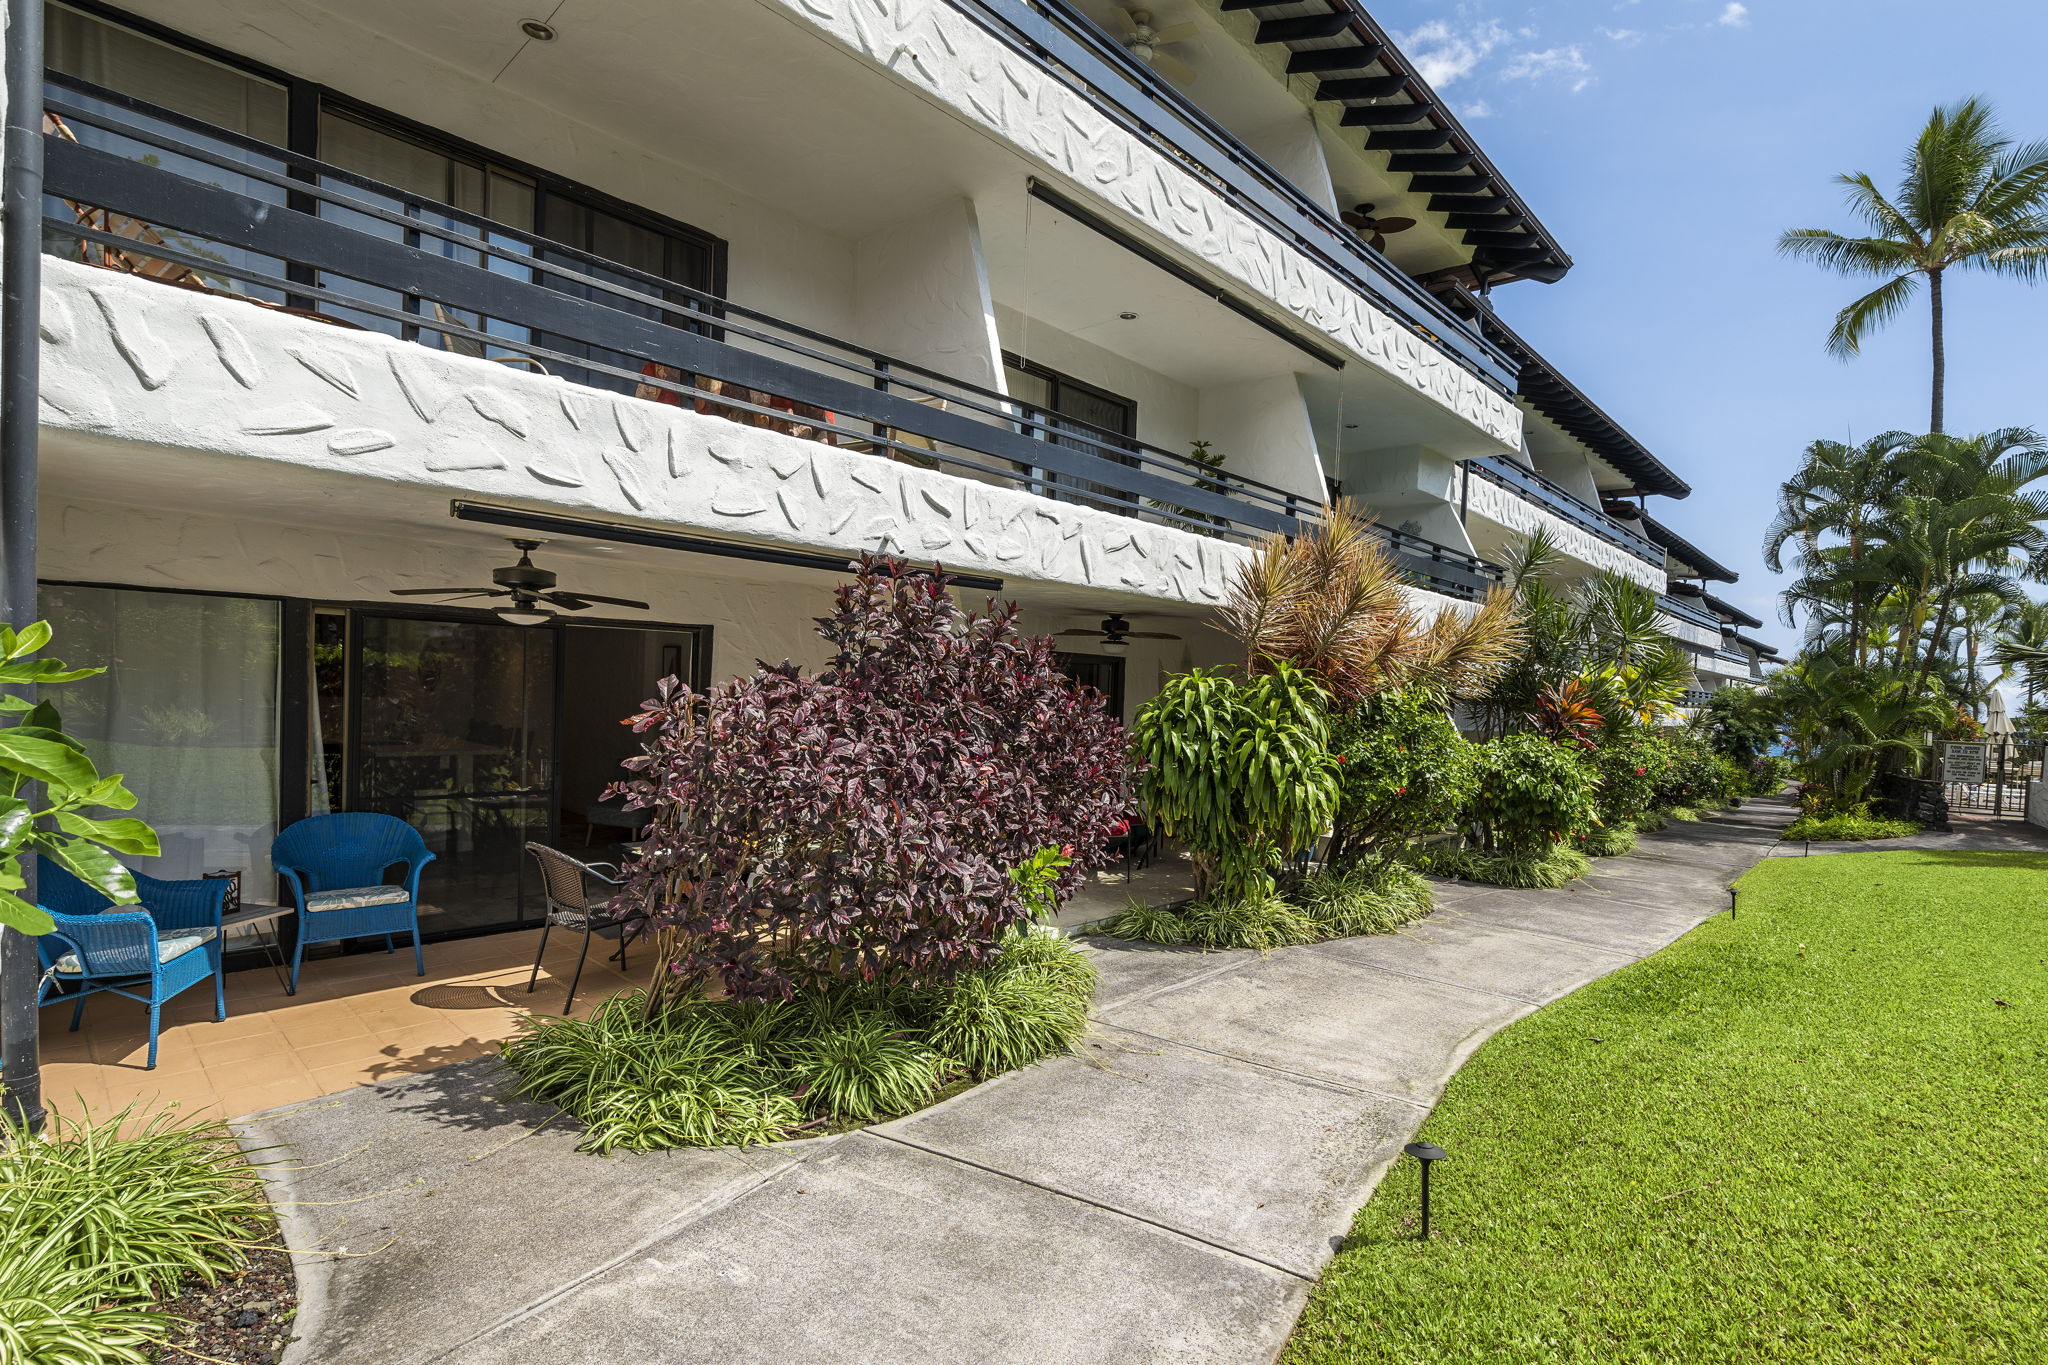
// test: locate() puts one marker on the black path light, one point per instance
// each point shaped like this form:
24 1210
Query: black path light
1428 1154
1732 893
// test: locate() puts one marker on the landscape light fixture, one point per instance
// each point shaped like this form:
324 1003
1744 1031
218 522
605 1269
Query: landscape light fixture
1428 1154
1731 902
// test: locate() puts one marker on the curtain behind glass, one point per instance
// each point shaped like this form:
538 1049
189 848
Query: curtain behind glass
187 709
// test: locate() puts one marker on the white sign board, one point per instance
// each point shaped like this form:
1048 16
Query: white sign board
1963 762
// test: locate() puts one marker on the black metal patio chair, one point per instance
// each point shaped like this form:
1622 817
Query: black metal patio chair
566 886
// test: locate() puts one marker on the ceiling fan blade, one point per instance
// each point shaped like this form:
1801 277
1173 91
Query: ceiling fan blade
1173 68
1149 635
1124 22
1396 224
1361 221
1080 630
1177 33
588 597
567 600
1377 242
447 592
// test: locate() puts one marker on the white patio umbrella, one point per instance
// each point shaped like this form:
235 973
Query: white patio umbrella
1997 724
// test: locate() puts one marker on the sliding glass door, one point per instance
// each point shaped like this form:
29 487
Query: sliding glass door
455 734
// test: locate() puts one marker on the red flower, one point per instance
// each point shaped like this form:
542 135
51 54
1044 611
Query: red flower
1641 771
1342 759
1400 791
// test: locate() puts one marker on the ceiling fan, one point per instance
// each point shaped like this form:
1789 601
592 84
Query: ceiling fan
531 589
1141 40
1375 230
1116 634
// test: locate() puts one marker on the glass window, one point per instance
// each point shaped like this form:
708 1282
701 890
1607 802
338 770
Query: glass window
1093 411
187 709
135 64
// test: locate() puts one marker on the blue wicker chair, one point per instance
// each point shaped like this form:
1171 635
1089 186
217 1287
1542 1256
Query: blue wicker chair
335 866
148 955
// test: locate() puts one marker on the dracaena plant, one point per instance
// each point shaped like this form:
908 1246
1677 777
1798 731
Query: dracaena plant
865 821
56 820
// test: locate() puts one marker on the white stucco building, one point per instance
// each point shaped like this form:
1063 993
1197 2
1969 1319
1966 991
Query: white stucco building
341 298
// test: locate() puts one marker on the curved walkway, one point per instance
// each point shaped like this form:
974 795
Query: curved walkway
1168 1196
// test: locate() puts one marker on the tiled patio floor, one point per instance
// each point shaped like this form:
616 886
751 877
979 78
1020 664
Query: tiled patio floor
355 1020
361 1018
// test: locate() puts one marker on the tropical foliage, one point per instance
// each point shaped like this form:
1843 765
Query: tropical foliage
1969 199
1239 769
70 827
1406 773
863 823
700 1073
103 1218
1848 825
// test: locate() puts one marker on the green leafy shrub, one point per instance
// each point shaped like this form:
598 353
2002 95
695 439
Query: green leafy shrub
1239 770
1032 1003
53 1309
1698 778
1650 821
1537 868
1630 765
1852 824
701 1073
1610 841
863 1069
1532 794
100 1219
1376 899
1406 773
1768 774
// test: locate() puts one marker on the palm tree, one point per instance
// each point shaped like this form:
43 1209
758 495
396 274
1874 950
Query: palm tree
1839 489
1969 199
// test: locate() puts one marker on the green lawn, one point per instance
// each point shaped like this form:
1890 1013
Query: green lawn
1816 1134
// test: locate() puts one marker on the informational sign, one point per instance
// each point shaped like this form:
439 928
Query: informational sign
1963 762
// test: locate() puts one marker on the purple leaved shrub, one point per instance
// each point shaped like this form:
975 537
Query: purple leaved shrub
861 823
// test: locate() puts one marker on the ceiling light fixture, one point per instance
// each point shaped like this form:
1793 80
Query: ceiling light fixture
521 616
1128 317
536 30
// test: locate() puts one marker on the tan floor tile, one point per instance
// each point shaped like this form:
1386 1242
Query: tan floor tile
254 1048
235 1103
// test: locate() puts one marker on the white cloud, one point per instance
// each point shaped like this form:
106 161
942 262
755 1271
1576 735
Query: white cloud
1626 37
1564 63
1477 109
1735 16
1444 52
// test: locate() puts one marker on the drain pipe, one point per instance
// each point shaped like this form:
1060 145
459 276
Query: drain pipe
21 293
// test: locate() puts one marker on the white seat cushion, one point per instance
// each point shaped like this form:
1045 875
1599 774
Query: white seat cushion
168 946
355 898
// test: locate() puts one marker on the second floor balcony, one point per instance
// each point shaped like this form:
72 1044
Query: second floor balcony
140 189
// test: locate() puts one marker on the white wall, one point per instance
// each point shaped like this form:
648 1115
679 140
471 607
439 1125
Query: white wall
1263 426
1168 411
921 294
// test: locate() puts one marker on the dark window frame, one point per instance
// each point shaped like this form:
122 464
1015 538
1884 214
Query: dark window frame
304 99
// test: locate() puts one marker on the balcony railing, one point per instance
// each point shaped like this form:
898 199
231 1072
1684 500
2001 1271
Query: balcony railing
1553 497
312 238
1129 93
1693 698
1689 611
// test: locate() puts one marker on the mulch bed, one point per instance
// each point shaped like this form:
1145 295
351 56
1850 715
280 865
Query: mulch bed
246 1319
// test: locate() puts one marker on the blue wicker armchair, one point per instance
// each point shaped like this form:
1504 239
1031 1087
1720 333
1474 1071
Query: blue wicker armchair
149 955
335 867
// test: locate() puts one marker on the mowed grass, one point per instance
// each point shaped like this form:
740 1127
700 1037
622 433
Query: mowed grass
1817 1133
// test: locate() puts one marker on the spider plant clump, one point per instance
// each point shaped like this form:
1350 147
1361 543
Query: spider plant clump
101 1219
1363 900
1610 841
1525 869
701 1073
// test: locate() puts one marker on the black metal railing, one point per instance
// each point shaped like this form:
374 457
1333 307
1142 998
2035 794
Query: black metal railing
311 237
1133 95
1554 498
1688 611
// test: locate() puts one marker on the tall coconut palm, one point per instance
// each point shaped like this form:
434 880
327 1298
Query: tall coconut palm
1838 489
1969 199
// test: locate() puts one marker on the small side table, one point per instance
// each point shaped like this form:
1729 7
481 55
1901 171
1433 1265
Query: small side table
263 917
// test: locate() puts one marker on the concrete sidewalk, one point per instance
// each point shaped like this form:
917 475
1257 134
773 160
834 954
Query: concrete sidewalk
1168 1196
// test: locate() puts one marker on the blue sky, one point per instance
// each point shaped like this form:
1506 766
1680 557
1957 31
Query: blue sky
1666 143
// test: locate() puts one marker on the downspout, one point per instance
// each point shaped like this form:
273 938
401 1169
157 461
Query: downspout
21 292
